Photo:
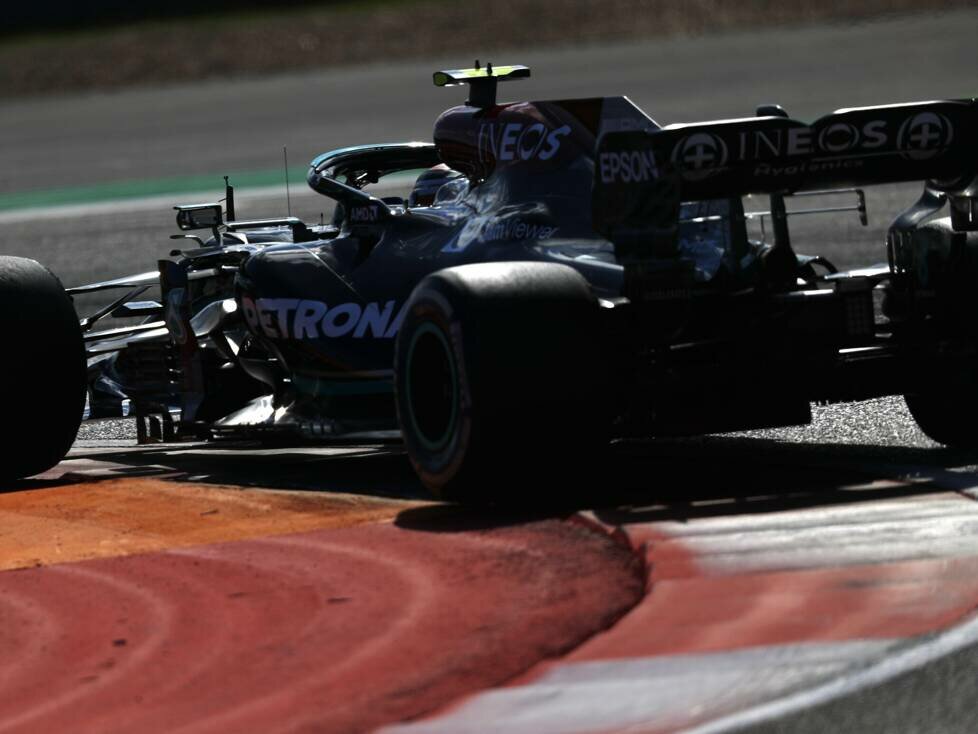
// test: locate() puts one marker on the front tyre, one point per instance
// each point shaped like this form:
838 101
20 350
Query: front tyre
42 370
499 379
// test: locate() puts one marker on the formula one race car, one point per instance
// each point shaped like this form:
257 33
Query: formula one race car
564 274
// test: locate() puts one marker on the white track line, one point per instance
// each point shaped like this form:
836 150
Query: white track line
900 662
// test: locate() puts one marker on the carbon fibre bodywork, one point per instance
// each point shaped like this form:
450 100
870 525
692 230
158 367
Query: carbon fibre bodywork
281 326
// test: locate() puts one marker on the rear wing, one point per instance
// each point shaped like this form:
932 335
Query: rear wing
640 177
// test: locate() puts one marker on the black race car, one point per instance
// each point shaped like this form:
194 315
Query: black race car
564 274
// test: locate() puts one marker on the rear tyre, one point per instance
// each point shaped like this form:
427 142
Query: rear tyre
499 379
42 371
945 262
947 416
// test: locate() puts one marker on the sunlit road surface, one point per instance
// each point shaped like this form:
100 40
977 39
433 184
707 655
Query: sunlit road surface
771 568
163 603
781 587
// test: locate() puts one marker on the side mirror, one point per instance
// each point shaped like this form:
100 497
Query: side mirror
199 216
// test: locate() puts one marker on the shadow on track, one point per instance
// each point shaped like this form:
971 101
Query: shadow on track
676 479
683 479
373 470
728 475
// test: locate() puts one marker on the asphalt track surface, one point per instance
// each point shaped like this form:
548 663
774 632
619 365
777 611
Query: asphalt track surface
220 127
214 128
757 550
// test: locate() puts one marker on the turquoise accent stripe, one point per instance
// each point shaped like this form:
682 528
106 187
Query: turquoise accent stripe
154 187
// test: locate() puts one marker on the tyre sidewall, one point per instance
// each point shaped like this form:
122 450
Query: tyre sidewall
436 465
527 360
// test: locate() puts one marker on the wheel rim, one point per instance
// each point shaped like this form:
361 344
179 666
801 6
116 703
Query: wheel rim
432 387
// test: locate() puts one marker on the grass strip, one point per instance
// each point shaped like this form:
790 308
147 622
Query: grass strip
139 189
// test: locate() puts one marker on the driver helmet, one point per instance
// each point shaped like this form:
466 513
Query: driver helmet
427 185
